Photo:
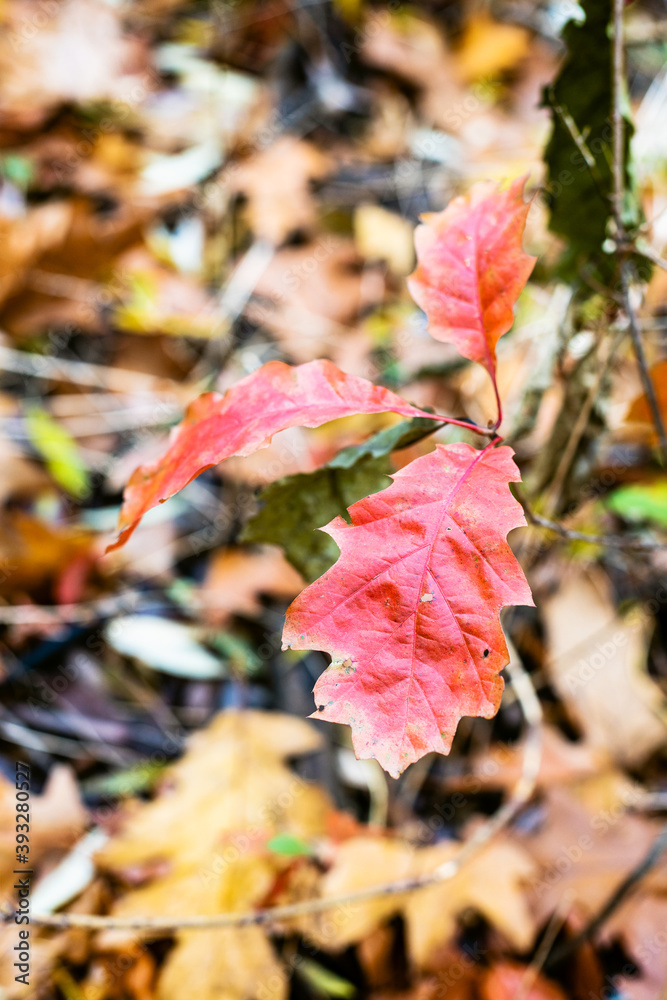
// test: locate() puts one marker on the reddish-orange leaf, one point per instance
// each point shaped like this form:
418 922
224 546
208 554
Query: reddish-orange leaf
245 419
410 612
471 269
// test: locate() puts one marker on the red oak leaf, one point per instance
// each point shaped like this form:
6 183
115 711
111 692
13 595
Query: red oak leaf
471 269
245 419
410 612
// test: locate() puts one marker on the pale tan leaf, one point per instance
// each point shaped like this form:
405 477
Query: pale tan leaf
597 663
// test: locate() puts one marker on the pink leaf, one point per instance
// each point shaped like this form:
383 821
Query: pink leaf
245 419
471 269
410 612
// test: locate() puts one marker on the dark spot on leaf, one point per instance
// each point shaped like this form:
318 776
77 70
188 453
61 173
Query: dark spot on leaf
320 708
486 652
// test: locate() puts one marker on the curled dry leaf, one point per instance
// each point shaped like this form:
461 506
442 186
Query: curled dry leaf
245 419
410 611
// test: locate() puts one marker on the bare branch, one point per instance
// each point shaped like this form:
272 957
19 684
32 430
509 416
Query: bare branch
612 541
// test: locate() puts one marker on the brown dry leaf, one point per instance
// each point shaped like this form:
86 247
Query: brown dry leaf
562 762
360 863
375 953
415 49
20 478
597 665
311 296
57 821
492 883
95 238
277 182
237 577
456 979
62 287
25 239
33 553
585 850
74 51
640 925
44 952
106 163
489 47
207 832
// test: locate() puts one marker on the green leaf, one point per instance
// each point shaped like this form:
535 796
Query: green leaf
641 503
289 845
294 508
324 981
240 653
581 99
401 435
134 780
18 169
58 449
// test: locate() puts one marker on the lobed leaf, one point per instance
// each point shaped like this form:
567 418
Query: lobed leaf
410 611
471 269
274 397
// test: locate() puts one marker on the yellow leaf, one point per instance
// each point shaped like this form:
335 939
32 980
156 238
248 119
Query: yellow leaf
492 884
383 235
489 47
206 835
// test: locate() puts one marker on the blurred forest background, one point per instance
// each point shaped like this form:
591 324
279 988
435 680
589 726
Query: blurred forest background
189 190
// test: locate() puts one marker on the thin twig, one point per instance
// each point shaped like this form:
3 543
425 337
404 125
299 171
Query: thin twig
629 883
523 790
558 918
644 251
570 126
618 140
647 382
605 354
83 373
613 541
